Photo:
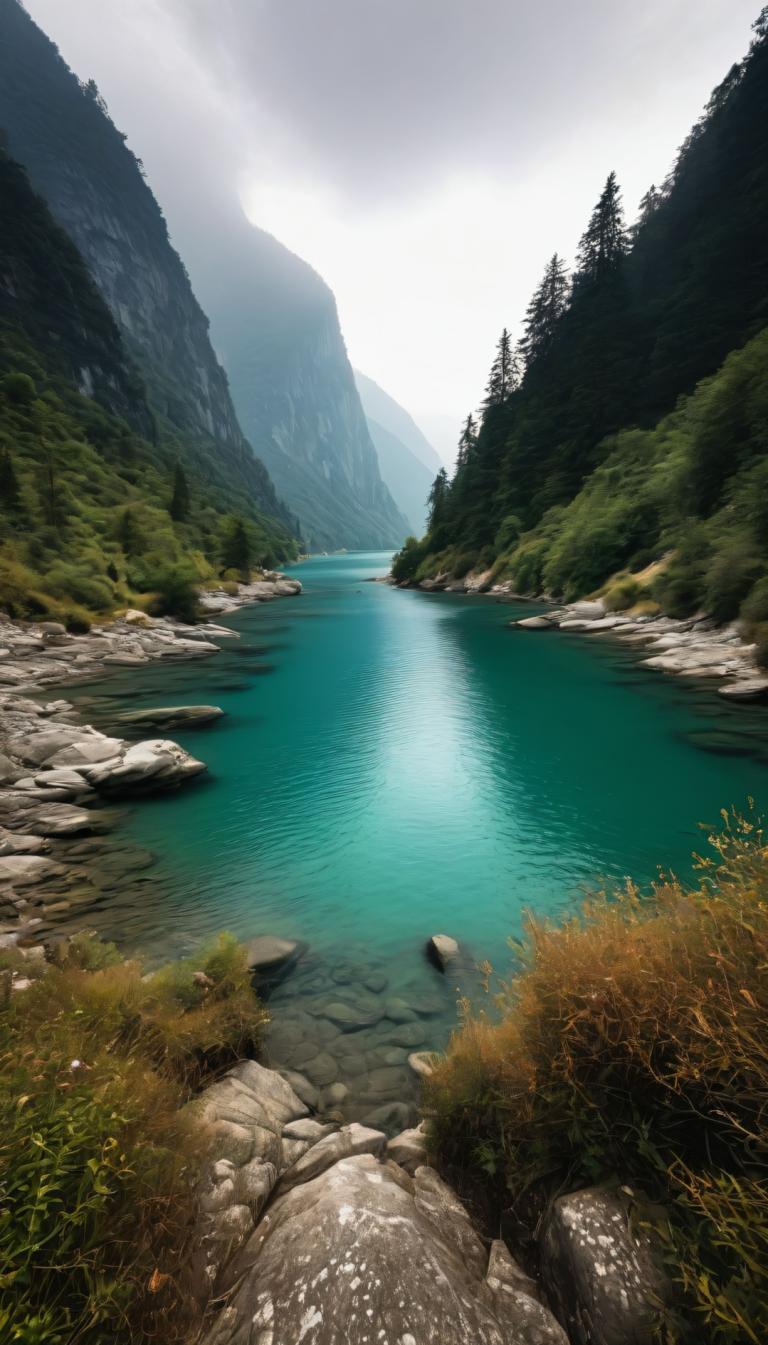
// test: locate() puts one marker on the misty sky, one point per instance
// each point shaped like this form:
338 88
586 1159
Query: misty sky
426 156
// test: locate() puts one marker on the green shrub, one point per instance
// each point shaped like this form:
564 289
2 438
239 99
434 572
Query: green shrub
406 561
754 609
633 1043
18 388
175 595
729 579
97 1161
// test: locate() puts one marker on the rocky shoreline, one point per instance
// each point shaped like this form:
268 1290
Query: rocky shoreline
58 776
693 647
696 647
308 1230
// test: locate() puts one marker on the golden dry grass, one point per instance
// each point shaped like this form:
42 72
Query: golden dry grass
633 1043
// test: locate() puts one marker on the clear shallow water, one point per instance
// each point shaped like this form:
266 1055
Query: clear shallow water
394 764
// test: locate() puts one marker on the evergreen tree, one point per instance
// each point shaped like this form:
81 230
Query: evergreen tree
437 501
505 373
10 498
179 506
648 206
549 302
237 551
128 533
604 242
467 442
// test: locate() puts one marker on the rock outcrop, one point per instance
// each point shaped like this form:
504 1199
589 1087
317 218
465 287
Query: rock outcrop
599 1270
364 1252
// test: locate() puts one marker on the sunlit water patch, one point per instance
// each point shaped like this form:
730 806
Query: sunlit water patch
394 764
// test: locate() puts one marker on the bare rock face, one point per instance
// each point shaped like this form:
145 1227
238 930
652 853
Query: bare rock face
365 1253
599 1270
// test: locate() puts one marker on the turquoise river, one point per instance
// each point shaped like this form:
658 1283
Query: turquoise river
394 764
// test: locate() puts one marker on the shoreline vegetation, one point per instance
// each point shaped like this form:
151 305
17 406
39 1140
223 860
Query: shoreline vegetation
621 1076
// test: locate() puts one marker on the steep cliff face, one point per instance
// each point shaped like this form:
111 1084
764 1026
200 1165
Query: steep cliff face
275 326
78 161
48 297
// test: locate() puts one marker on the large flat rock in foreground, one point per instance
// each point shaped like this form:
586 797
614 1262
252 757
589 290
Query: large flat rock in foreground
365 1254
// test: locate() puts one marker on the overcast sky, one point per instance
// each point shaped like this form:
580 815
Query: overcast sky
425 156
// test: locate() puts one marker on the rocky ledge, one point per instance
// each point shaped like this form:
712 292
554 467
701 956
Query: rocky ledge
317 1232
696 647
56 774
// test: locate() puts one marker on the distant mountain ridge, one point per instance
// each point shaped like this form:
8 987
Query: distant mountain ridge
382 408
276 328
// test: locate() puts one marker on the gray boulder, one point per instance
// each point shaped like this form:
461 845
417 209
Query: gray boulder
349 1140
409 1148
365 1253
442 949
599 1270
267 954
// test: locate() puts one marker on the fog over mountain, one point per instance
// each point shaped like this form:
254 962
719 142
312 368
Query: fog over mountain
384 143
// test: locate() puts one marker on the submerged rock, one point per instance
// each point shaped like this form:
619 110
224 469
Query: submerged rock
172 716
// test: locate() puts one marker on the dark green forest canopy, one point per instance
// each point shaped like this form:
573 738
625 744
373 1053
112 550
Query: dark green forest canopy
649 313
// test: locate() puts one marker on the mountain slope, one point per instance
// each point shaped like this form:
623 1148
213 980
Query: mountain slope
86 487
379 406
408 480
93 184
276 328
551 490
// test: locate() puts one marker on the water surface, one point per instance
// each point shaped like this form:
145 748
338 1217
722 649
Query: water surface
394 764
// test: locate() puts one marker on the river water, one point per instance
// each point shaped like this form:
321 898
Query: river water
394 764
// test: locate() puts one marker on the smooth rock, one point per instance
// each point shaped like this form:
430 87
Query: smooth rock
352 1017
267 953
23 869
172 716
442 949
409 1148
365 1253
423 1062
536 623
599 1271
60 819
351 1139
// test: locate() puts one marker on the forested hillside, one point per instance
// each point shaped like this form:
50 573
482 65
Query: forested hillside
581 462
95 507
78 161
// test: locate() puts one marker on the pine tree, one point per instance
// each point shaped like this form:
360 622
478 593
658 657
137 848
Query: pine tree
237 551
128 533
467 442
179 506
604 243
437 501
648 206
10 498
505 373
549 302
